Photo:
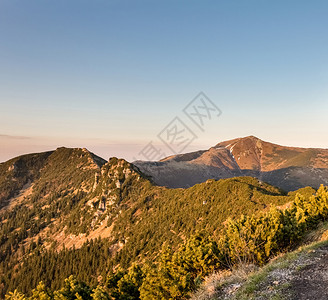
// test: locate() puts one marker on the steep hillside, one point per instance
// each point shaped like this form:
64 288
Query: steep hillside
74 213
252 153
290 168
39 190
18 173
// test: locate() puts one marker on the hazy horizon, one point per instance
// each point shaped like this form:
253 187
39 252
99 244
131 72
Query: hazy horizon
128 151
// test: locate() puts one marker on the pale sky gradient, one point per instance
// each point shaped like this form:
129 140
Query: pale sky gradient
110 75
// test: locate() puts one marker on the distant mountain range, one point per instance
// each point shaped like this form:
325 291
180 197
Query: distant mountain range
289 168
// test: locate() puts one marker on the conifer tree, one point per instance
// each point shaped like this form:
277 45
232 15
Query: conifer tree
41 293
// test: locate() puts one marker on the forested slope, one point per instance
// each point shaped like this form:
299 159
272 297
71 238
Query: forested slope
75 214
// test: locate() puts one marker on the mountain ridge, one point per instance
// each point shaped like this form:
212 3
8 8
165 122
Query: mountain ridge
248 156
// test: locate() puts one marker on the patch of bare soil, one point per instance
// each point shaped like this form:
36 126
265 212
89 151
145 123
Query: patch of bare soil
23 194
304 278
78 240
311 281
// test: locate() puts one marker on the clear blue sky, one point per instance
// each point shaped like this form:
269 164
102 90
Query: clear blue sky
109 75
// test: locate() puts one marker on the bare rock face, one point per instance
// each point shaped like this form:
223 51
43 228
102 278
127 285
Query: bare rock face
289 168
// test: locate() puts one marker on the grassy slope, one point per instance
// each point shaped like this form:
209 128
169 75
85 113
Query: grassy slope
273 281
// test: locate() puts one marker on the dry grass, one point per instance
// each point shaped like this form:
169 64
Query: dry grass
222 283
